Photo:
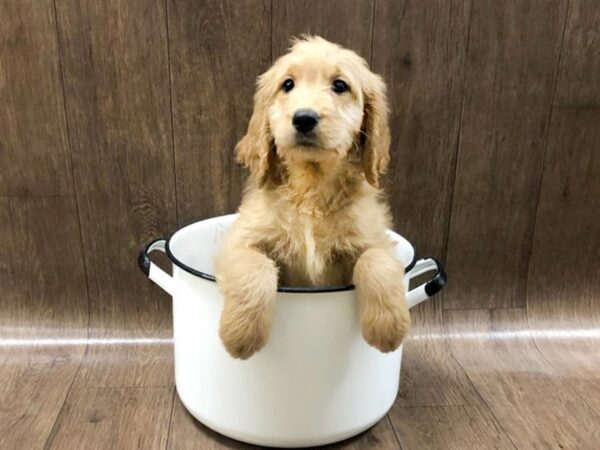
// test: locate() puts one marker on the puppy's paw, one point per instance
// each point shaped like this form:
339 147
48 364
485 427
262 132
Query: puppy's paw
243 331
385 326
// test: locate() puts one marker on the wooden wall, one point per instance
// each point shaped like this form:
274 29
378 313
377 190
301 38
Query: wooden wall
118 121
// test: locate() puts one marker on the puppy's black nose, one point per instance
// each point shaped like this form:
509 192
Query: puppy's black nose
305 120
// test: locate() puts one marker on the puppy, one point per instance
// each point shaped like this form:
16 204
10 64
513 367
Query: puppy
312 212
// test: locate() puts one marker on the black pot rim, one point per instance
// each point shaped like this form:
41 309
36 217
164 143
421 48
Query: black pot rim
289 289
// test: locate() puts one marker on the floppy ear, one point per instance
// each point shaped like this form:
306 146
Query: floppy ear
255 148
375 129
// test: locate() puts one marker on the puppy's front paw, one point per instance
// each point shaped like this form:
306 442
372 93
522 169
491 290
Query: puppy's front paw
385 326
243 331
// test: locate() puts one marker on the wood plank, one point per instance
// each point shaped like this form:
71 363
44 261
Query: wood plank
564 272
33 140
43 280
430 375
511 66
116 76
448 427
35 383
188 433
563 299
344 22
578 85
532 402
420 50
119 418
128 362
217 49
43 298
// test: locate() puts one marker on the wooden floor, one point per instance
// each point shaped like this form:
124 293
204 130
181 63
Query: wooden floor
501 378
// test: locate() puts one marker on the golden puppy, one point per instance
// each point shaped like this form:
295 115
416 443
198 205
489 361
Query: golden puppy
312 213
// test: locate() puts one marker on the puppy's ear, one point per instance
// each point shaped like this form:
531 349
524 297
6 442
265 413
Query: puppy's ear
255 148
375 129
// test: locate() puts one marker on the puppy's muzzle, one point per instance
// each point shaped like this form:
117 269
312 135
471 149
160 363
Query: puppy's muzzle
305 120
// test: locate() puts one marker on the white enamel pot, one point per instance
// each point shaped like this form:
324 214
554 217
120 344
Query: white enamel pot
315 382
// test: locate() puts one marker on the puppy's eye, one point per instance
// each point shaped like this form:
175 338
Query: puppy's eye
339 86
287 85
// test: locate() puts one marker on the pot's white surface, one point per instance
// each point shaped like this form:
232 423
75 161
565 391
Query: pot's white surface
315 382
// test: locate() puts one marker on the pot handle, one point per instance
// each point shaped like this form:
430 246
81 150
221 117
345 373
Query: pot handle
152 271
431 287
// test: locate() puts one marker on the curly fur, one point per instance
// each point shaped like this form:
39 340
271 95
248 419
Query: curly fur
313 216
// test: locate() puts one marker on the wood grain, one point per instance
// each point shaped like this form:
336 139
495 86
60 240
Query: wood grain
217 49
116 76
430 374
532 402
33 139
420 50
508 94
35 383
563 278
127 363
578 85
43 280
563 297
43 298
448 427
346 22
116 418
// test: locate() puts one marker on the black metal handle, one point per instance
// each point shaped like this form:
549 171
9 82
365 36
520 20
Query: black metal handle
436 284
144 259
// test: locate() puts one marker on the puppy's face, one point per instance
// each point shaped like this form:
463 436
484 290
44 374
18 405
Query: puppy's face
319 105
318 101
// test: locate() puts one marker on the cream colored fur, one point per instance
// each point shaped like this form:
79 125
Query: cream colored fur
313 216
